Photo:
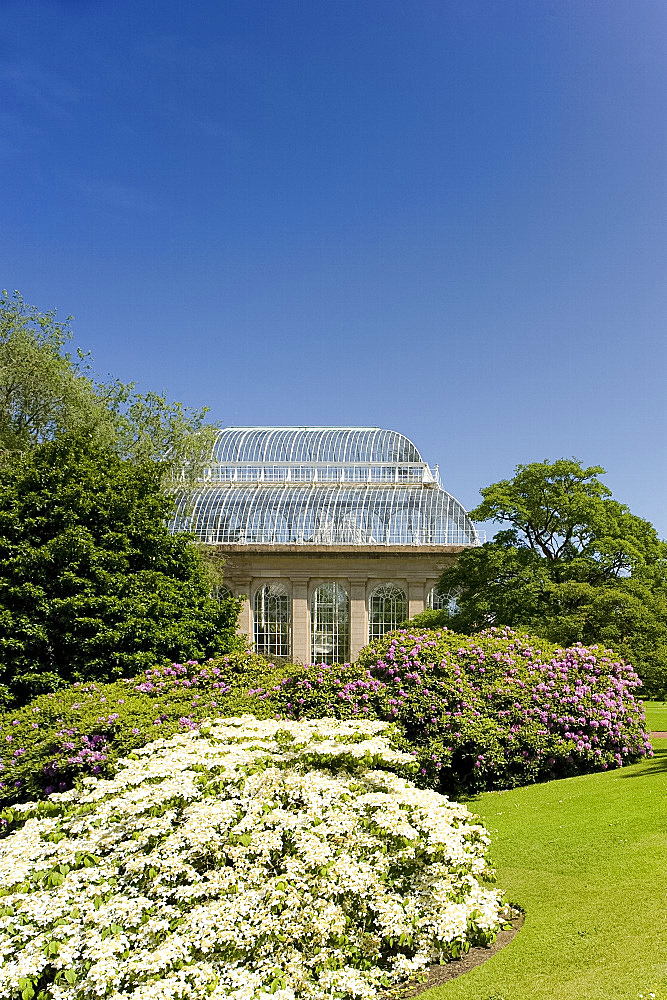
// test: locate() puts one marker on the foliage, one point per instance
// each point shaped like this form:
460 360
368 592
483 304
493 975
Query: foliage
563 512
92 585
490 711
247 859
149 428
83 729
45 391
574 565
431 618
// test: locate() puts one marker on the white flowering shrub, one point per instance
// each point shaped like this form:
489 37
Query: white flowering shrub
244 859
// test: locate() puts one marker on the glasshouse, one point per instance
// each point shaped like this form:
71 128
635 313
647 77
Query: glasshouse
333 535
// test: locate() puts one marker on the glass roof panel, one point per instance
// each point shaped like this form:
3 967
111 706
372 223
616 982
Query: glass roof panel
321 485
304 514
312 444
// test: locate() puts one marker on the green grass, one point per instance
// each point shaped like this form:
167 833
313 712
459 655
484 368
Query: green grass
656 716
586 858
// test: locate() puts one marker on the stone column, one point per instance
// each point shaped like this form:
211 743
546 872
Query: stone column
358 618
300 623
242 586
415 598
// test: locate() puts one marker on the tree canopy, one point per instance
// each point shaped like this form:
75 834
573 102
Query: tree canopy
92 585
572 565
45 390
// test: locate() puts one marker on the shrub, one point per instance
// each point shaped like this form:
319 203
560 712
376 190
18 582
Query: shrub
494 710
85 728
92 584
491 711
429 618
255 858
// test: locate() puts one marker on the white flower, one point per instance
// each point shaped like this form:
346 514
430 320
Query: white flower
249 857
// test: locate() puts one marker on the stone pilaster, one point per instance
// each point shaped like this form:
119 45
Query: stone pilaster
358 618
242 587
415 598
300 623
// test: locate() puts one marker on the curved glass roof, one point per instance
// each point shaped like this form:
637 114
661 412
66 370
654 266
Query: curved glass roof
367 515
320 485
312 444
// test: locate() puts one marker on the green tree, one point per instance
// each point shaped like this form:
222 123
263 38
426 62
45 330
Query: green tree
92 584
573 565
149 428
45 391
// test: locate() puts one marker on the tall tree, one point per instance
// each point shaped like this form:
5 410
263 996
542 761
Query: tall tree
45 390
92 585
572 565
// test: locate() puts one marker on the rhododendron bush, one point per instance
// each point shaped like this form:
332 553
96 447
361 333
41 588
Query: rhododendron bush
85 728
244 858
493 710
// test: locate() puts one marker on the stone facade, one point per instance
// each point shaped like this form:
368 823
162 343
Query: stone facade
359 569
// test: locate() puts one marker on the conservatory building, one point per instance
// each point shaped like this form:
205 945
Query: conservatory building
332 535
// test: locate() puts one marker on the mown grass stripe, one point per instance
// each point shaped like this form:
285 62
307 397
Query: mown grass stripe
586 857
656 716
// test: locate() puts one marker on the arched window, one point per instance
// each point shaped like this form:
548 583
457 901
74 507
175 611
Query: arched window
221 592
387 608
273 620
330 624
441 600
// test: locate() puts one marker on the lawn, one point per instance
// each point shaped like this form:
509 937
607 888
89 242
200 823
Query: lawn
586 858
656 716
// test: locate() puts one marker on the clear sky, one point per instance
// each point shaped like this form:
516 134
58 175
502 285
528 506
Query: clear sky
445 217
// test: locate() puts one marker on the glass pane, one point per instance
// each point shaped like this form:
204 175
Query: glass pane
273 621
387 608
439 600
330 624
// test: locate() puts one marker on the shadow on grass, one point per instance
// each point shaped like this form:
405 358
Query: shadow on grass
651 766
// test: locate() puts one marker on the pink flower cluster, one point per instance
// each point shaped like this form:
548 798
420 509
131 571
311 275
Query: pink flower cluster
485 711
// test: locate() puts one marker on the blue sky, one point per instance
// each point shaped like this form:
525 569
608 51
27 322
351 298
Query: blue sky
447 218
